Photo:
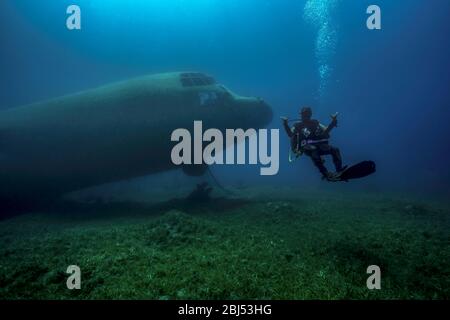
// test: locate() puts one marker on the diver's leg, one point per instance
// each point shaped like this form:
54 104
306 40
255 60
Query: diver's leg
318 162
337 159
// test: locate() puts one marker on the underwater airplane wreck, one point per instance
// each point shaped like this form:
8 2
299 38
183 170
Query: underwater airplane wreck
115 132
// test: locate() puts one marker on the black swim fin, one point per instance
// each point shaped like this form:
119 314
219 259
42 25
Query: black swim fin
360 170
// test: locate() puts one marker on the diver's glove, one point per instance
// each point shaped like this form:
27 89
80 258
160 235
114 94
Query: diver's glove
334 120
284 119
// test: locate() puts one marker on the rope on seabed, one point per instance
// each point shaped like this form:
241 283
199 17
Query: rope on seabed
218 184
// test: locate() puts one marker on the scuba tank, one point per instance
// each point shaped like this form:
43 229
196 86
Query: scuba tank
295 149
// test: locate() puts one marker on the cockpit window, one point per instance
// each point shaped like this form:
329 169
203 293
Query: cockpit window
196 79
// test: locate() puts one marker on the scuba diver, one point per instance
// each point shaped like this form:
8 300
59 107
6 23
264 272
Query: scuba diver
310 137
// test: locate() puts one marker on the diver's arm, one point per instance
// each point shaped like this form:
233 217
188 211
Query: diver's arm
287 128
328 129
333 124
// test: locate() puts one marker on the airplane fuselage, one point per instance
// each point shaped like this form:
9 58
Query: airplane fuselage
111 133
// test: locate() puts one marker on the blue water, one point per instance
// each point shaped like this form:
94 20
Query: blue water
391 87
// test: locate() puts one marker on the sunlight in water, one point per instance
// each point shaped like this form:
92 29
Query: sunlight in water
318 13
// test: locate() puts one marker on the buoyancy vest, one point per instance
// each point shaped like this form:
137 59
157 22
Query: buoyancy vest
307 133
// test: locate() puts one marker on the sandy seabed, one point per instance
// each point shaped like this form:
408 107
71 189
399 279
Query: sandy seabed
270 244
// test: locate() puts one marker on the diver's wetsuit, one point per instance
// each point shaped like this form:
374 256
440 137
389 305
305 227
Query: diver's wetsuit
316 137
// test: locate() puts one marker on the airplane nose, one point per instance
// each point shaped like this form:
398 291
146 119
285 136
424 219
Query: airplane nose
255 110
